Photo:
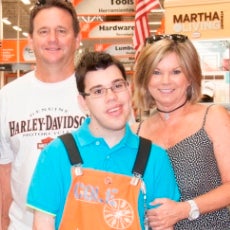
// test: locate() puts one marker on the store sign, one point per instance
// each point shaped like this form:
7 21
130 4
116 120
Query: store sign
128 62
8 53
104 7
116 29
198 21
116 49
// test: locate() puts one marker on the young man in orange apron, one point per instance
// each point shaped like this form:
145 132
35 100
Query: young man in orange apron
101 176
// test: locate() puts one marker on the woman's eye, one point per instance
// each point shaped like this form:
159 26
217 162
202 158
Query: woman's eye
176 71
156 72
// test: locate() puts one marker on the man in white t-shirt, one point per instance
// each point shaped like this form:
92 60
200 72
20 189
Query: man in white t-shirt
37 107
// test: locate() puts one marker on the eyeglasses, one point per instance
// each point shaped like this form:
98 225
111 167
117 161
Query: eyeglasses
116 87
174 37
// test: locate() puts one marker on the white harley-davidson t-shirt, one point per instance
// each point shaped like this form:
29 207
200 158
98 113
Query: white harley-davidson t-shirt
32 113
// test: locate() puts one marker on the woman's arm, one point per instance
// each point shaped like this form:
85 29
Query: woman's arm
218 129
169 212
43 221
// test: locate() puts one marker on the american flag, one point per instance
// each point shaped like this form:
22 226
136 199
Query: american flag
141 30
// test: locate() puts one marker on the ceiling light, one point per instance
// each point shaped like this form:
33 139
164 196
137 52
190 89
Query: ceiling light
17 28
26 2
25 34
6 21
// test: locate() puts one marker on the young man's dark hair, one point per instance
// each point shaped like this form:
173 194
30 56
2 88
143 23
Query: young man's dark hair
92 61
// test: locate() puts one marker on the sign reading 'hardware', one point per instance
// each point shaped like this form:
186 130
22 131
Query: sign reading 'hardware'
107 29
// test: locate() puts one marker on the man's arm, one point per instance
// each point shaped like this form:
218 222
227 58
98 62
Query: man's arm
43 221
5 194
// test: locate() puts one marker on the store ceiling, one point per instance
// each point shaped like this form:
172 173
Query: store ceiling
18 14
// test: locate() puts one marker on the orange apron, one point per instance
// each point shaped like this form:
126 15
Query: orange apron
101 200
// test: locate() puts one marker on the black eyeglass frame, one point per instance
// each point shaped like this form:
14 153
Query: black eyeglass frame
175 37
113 88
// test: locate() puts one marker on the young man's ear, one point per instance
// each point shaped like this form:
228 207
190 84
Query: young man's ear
82 103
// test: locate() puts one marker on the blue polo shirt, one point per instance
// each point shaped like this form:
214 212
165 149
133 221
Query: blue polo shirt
52 176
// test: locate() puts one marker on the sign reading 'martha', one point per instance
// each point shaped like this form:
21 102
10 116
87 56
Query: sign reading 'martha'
198 21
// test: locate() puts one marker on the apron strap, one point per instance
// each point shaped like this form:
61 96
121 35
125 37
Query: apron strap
140 162
72 149
142 156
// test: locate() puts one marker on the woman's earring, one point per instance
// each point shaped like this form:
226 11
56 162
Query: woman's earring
190 92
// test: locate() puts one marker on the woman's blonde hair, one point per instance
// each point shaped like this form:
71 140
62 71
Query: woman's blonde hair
149 58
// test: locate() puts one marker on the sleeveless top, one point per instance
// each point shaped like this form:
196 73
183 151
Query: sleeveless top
196 172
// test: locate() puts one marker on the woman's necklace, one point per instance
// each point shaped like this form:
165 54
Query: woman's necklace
166 113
